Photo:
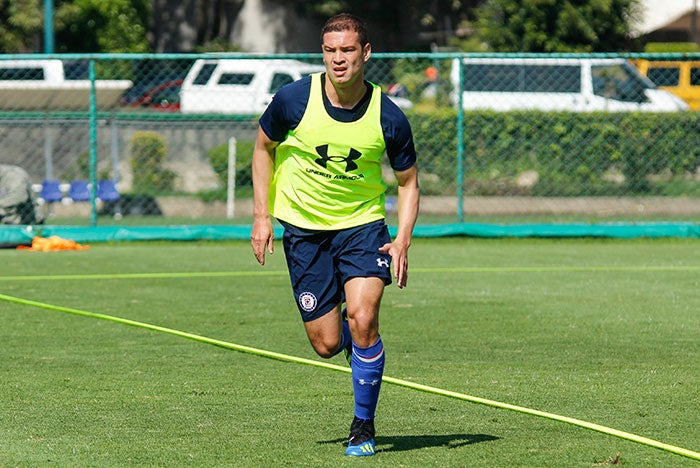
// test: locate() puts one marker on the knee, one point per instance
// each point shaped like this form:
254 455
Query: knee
325 349
364 326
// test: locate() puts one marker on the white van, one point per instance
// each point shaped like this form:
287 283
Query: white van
243 86
43 85
558 84
238 86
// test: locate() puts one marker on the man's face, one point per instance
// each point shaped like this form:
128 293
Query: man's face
344 57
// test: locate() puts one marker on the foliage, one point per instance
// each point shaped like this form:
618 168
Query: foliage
217 45
435 20
500 25
81 169
413 83
21 26
557 26
671 47
79 26
470 44
572 153
427 12
218 158
148 153
102 26
214 24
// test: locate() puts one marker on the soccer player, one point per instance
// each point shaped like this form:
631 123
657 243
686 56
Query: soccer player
316 169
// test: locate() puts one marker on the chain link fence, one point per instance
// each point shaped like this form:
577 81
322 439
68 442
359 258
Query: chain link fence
508 139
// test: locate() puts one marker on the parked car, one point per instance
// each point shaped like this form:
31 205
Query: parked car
558 84
150 75
162 97
680 77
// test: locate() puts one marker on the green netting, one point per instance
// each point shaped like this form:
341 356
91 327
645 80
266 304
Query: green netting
22 235
543 144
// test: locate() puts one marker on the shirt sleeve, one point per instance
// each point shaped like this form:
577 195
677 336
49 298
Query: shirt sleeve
286 109
398 136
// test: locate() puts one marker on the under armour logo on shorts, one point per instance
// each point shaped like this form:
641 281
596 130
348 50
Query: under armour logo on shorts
383 262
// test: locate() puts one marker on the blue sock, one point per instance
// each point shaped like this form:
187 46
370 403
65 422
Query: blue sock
367 370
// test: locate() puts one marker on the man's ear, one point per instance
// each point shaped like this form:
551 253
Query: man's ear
367 51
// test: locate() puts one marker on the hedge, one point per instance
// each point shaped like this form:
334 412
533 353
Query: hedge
572 153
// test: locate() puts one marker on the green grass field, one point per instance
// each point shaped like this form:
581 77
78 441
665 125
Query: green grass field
599 330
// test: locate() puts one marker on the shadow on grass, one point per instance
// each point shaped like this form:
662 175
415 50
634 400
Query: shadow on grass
414 442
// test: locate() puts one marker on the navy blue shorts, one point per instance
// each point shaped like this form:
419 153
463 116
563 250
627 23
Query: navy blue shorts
320 262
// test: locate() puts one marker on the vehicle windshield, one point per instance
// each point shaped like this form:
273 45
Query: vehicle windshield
204 74
620 81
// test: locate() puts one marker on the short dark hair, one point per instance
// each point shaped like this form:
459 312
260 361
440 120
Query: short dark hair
346 22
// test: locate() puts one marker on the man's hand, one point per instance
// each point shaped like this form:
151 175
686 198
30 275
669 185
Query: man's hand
409 195
262 237
399 257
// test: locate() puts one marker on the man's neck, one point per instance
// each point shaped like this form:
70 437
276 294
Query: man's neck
346 97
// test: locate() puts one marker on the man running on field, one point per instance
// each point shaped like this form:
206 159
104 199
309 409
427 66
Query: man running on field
317 169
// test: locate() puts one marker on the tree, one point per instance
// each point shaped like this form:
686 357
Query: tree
21 27
102 25
217 19
187 25
395 26
79 25
557 25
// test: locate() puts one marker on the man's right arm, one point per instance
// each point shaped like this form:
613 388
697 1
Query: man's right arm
282 114
262 235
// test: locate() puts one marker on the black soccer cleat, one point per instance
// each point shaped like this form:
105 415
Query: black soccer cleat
361 441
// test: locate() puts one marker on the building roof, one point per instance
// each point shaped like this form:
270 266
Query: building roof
659 13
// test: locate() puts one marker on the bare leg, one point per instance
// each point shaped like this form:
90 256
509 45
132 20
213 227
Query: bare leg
325 333
363 296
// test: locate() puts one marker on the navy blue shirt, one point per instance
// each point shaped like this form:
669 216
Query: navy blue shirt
289 104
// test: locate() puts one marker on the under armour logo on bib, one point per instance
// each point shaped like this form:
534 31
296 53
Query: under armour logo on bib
350 164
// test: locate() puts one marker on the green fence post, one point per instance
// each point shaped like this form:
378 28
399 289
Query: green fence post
48 27
460 146
93 143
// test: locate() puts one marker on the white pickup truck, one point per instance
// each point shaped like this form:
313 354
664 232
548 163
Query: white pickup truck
42 85
242 86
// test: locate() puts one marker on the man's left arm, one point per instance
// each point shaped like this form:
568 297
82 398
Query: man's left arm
408 203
